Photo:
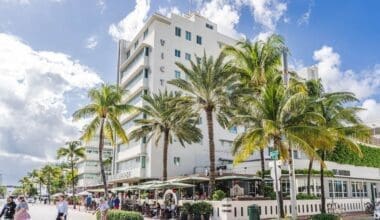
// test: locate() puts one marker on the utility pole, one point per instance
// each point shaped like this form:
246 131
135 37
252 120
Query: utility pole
292 179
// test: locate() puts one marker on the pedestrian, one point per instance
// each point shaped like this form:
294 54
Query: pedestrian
88 202
22 209
9 209
62 208
116 202
110 201
103 209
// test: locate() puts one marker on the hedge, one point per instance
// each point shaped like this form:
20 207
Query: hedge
325 217
343 155
121 215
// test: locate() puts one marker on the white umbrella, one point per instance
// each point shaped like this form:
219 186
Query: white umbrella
57 194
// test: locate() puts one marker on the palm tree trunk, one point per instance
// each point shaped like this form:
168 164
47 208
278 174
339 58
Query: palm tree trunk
101 146
210 126
262 158
40 189
48 188
309 176
280 196
292 181
165 155
323 198
73 182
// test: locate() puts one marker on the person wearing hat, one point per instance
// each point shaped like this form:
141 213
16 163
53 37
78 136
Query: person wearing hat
62 208
9 209
22 209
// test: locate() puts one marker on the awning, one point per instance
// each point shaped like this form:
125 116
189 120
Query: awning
173 185
84 193
190 179
96 190
233 177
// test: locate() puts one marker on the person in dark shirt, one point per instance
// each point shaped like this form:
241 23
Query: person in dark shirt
9 209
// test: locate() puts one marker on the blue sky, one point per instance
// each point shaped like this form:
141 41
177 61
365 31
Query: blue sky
57 49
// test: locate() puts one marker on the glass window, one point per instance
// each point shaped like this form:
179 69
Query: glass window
144 140
177 31
145 33
188 35
187 56
209 26
199 60
146 51
136 43
359 189
233 130
162 82
177 161
285 184
199 40
177 53
142 161
128 53
177 74
146 72
338 188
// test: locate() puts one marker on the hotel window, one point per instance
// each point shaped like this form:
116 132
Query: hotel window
338 188
147 51
209 26
177 161
177 74
177 53
136 43
199 40
187 56
270 149
285 185
145 33
143 161
199 60
146 72
188 35
177 31
162 56
162 42
359 189
145 92
162 82
144 140
199 121
128 53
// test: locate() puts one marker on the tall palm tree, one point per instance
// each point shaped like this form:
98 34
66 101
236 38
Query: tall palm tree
284 119
27 185
105 109
253 62
72 151
169 116
207 83
38 178
50 173
343 126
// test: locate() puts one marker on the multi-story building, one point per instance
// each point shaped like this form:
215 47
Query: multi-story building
89 167
145 65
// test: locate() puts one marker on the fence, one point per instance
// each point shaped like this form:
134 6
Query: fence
238 210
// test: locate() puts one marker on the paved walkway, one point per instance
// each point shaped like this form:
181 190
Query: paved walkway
49 212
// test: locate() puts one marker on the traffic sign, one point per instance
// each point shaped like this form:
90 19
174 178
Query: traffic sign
274 155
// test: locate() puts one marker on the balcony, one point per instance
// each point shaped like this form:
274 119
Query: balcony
134 65
130 152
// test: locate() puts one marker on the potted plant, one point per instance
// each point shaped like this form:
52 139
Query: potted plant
205 210
186 211
218 195
197 207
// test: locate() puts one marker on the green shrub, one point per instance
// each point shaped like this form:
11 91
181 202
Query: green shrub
121 215
269 193
205 208
304 196
218 195
187 208
325 217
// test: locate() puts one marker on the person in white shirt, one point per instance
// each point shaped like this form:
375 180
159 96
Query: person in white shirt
103 208
62 207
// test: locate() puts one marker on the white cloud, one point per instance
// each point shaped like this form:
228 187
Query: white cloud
363 84
102 5
33 101
267 12
304 19
372 113
168 11
133 22
92 42
225 14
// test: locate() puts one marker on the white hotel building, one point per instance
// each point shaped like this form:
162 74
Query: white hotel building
147 63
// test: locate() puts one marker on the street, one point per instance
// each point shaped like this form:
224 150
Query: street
49 212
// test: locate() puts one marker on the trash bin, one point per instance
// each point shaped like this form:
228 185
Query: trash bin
254 212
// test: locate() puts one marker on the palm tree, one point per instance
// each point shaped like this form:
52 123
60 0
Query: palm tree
207 82
72 152
105 109
27 185
169 116
254 61
343 126
38 178
284 119
50 173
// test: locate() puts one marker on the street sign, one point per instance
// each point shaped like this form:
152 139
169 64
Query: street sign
274 155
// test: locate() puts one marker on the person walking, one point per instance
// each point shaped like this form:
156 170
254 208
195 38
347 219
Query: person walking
116 202
22 209
62 207
103 209
9 209
88 202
